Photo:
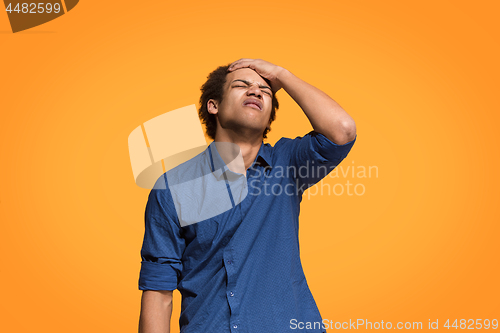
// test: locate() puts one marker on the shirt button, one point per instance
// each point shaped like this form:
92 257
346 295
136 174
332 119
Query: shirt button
229 262
235 326
231 294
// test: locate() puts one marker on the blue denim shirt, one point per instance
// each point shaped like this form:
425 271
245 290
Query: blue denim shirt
240 270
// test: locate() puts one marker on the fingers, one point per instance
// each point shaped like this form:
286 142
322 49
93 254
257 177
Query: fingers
240 63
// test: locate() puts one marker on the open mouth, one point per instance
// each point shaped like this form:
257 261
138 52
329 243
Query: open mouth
253 103
253 106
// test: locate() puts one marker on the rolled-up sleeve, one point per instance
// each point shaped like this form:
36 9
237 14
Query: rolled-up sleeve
314 156
163 244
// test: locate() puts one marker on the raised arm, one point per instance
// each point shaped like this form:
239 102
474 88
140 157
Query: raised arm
325 115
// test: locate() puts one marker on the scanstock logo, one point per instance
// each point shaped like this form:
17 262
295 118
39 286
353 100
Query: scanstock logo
28 14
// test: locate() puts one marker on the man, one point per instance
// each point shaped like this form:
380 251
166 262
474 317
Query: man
240 270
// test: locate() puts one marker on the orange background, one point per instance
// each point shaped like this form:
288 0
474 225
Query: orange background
420 79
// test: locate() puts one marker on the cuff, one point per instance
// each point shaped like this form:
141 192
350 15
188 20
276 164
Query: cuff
156 276
332 151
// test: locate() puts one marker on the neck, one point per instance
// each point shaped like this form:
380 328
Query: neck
248 144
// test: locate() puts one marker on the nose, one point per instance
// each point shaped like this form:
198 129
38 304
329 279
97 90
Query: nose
254 90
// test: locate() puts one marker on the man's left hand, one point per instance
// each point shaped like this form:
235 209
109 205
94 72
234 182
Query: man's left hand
263 68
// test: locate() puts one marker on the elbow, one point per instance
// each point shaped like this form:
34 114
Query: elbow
346 133
349 130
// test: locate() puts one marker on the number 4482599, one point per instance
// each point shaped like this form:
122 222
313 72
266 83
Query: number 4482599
472 324
34 8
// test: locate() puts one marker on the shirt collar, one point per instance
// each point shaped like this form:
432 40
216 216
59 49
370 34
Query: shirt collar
218 166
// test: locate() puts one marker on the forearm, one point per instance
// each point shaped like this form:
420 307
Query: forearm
325 115
156 311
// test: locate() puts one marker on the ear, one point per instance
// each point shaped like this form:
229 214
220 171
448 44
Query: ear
212 106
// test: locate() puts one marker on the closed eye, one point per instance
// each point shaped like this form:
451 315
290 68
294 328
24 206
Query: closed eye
265 91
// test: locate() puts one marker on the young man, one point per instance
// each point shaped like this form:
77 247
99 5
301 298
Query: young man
240 270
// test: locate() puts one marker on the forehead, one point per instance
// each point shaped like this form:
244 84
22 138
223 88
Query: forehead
245 74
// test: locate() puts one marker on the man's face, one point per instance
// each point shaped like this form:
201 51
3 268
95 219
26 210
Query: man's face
246 104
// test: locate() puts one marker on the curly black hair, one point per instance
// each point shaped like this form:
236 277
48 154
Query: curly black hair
213 88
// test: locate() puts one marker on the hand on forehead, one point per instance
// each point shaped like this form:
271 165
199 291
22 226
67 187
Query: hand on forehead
265 70
248 75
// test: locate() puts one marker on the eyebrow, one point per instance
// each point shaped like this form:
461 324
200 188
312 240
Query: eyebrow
248 83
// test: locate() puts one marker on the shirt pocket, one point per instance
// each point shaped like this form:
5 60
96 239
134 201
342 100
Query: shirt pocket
206 233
